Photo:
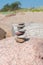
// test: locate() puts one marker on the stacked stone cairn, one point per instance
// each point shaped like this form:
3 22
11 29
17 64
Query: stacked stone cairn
20 36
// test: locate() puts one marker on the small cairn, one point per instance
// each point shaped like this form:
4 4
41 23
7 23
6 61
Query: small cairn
20 36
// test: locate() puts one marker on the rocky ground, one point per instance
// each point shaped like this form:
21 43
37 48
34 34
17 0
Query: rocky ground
6 21
27 53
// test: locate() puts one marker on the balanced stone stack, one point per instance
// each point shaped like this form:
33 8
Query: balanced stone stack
21 33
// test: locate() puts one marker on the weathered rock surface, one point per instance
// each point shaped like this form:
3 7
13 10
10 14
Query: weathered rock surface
27 53
28 17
